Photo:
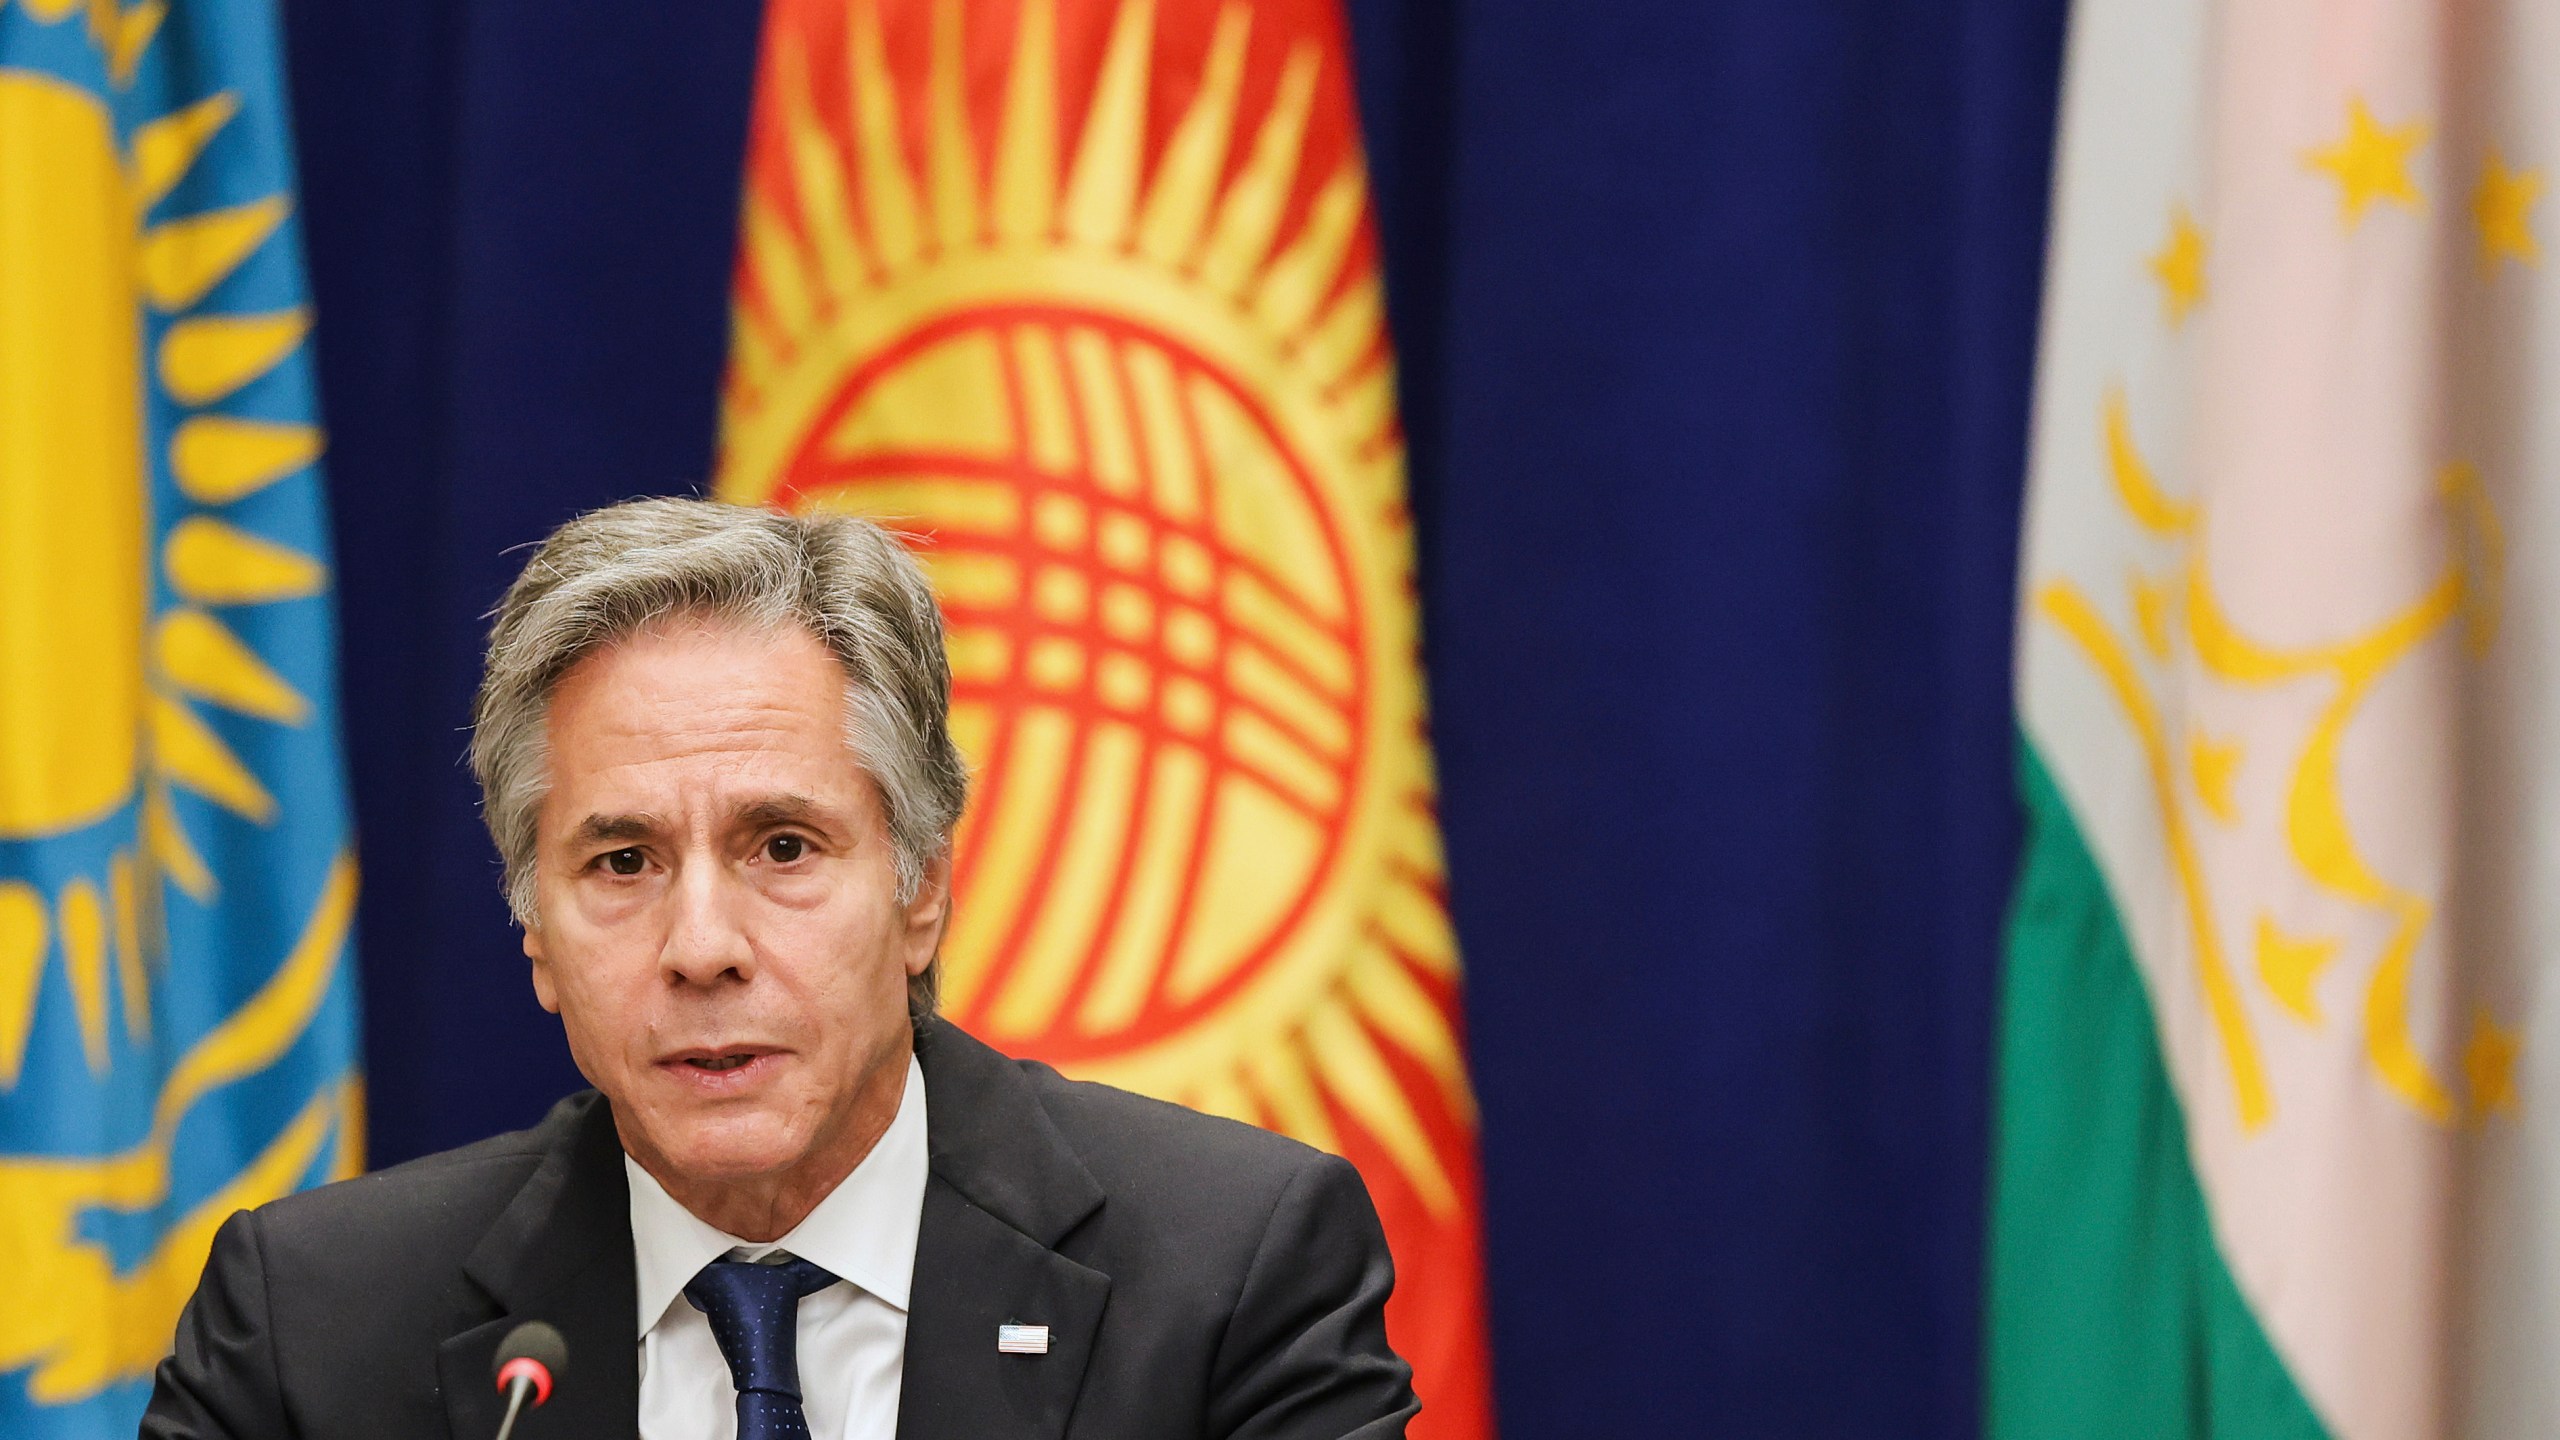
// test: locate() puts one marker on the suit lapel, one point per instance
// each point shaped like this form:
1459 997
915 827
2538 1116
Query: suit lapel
560 1252
974 1272
1005 1188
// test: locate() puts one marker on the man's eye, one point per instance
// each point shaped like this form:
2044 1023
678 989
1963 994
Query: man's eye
783 849
624 862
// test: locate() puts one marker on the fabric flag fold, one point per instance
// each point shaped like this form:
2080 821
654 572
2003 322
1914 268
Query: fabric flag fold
177 996
2276 1017
1082 295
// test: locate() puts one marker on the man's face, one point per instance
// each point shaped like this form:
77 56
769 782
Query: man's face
720 931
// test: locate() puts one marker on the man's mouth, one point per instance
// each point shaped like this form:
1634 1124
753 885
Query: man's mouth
716 1060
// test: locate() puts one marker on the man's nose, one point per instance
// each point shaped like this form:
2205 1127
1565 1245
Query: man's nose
706 940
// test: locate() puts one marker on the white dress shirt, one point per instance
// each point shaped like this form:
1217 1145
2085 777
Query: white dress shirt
853 1334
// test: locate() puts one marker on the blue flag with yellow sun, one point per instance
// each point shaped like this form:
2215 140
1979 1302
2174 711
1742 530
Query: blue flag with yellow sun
177 995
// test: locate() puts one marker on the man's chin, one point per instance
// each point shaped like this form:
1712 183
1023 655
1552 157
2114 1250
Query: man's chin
720 1147
736 1165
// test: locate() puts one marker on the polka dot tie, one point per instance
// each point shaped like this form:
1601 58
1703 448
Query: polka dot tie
755 1315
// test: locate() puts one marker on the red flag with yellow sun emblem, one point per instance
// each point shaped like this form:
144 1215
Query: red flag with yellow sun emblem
1083 295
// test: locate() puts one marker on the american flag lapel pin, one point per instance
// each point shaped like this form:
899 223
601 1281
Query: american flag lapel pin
1022 1339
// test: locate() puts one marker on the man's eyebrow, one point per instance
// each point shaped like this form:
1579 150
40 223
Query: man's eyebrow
779 810
598 828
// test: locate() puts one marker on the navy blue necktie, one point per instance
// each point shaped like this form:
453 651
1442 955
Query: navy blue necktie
755 1315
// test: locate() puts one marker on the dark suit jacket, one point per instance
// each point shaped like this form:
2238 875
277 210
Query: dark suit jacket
1198 1278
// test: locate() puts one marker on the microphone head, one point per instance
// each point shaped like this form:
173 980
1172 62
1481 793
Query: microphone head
532 1351
534 1340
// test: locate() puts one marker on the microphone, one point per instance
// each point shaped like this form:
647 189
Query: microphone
531 1357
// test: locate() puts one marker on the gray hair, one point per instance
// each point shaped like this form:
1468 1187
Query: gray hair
610 573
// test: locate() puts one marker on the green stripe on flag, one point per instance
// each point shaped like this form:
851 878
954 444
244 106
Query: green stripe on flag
2110 1310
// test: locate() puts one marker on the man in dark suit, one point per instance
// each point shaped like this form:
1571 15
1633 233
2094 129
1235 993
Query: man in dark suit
714 753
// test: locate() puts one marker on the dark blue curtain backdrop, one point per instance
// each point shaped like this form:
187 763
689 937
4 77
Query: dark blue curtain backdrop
1717 322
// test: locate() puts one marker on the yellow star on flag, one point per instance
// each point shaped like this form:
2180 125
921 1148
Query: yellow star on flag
2179 266
2370 162
2503 209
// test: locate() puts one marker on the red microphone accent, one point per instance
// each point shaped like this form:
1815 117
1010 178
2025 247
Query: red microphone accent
526 1367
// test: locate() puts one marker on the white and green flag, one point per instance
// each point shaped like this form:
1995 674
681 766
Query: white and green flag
2277 1123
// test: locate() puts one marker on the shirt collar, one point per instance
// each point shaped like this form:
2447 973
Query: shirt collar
863 1232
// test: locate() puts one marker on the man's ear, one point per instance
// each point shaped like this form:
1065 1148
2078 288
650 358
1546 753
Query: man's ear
928 913
544 992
